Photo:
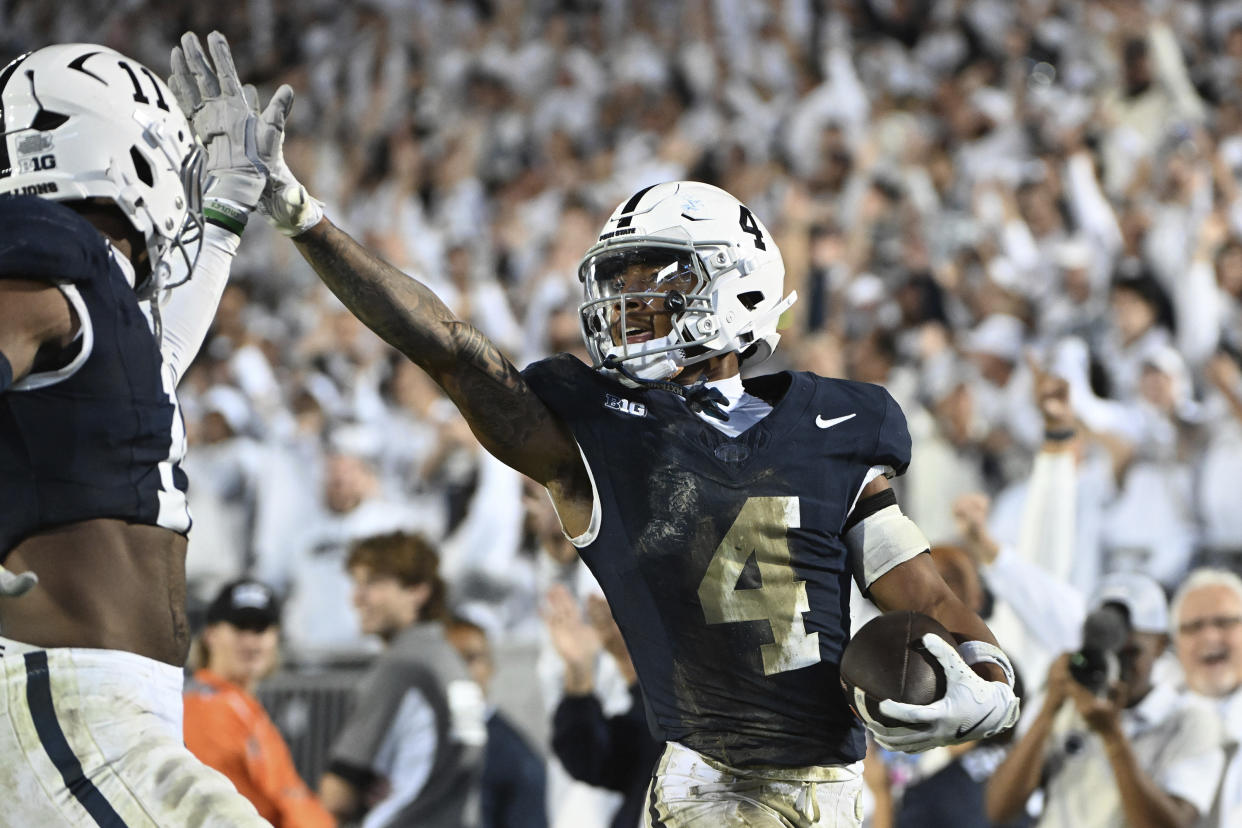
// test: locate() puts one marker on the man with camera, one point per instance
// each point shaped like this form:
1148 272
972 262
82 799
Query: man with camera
1110 746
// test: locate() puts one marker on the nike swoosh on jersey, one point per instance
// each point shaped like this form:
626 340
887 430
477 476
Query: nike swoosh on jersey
822 423
964 729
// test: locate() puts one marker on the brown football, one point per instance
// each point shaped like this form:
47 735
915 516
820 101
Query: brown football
886 659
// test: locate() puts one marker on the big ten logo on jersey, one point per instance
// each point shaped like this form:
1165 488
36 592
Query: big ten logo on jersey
625 406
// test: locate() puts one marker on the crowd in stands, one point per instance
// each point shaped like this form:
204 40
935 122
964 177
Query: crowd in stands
968 194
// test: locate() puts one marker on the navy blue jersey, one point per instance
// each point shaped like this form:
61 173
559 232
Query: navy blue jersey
94 431
722 557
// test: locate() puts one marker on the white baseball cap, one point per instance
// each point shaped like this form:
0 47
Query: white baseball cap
1141 595
999 334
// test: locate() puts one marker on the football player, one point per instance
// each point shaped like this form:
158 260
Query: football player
101 215
723 518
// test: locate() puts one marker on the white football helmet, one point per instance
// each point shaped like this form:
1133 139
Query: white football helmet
713 264
81 121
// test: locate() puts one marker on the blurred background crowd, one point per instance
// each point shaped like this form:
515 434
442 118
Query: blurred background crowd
966 193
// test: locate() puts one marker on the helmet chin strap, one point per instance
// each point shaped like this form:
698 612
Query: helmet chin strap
698 396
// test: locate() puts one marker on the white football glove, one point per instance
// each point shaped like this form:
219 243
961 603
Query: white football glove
13 585
972 708
285 201
223 119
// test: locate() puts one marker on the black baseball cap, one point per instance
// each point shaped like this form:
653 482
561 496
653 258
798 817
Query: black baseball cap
246 604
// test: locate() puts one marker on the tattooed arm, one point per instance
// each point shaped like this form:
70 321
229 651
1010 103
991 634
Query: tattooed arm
504 413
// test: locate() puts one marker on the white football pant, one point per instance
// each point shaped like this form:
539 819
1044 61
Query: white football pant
94 738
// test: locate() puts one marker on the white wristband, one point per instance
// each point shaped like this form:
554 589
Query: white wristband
975 652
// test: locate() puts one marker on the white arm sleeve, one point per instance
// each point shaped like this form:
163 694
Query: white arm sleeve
187 314
1196 303
1048 534
1089 205
1051 610
1170 69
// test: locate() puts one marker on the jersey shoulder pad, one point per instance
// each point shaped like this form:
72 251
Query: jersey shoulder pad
879 414
560 381
45 241
867 398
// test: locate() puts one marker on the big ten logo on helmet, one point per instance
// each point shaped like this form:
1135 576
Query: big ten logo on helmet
36 164
34 144
637 409
36 158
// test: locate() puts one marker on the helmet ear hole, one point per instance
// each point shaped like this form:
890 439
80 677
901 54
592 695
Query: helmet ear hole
46 120
750 299
142 167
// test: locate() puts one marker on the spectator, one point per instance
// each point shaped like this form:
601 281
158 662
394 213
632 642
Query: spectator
1141 753
514 780
1222 457
1003 394
1140 316
1149 525
1207 634
412 751
571 801
311 564
226 726
614 752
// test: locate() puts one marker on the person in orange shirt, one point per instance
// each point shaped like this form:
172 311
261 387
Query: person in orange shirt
225 725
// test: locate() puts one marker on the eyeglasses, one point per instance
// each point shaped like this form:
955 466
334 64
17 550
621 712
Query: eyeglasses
1223 623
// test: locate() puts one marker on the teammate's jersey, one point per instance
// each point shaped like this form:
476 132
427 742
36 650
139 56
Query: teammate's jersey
722 558
94 431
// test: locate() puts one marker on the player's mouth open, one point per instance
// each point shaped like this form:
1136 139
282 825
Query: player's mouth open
638 334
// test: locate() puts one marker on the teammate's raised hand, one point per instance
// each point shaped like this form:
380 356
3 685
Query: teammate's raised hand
212 97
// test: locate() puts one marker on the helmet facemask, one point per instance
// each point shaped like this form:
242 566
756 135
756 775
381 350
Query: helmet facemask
633 291
174 247
724 293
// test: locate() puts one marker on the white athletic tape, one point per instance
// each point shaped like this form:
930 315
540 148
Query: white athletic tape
882 541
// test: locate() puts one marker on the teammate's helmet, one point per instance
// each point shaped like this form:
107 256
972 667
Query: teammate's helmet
81 121
714 265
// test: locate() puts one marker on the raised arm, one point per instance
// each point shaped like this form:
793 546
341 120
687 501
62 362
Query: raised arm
1017 777
504 413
